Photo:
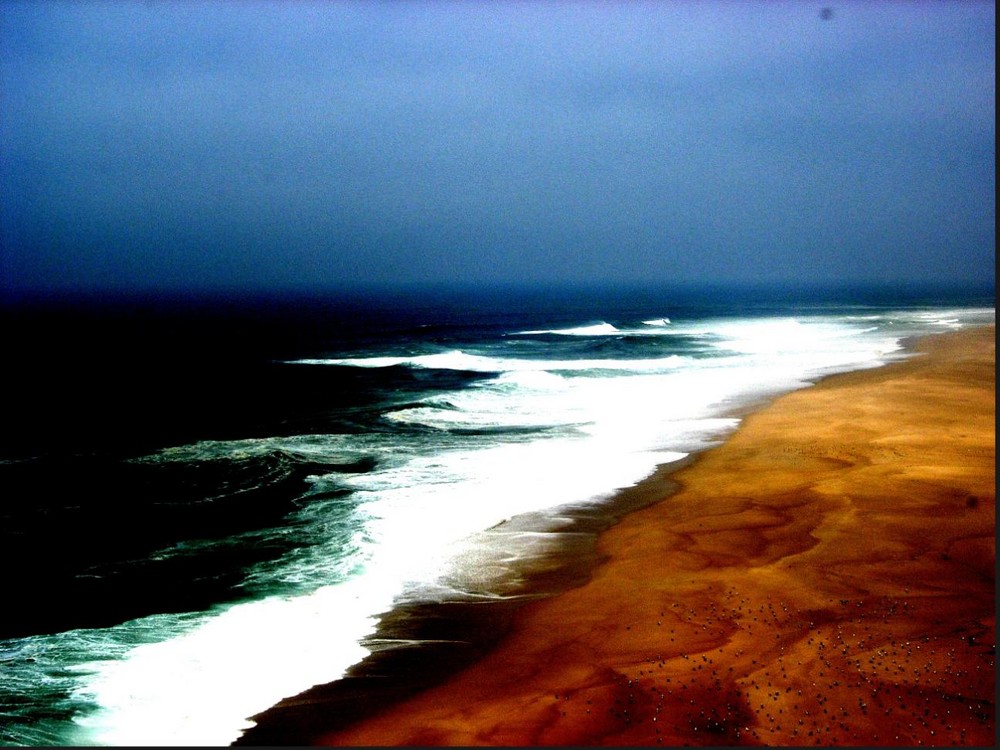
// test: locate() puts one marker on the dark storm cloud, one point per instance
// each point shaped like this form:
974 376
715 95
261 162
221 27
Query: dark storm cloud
257 145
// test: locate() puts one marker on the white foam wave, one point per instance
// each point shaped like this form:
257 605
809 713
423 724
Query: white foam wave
459 360
656 327
815 344
597 329
955 318
450 360
199 688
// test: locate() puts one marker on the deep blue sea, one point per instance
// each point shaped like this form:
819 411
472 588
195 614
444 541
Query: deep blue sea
206 503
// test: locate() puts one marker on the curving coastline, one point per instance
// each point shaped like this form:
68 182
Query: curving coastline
824 577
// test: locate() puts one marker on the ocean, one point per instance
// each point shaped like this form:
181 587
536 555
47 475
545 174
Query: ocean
212 503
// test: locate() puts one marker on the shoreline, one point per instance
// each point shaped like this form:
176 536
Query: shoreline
775 598
419 644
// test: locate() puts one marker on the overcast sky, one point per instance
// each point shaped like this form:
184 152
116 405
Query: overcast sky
268 145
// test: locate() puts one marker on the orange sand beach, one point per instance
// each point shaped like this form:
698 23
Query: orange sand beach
824 577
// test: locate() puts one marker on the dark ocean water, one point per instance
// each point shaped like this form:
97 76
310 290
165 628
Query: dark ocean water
187 481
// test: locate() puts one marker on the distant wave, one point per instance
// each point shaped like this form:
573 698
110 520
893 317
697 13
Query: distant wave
459 360
451 360
597 329
653 327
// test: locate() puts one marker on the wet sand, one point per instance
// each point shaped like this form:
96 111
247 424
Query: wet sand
824 577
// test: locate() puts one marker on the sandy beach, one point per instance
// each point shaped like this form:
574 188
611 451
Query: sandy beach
824 577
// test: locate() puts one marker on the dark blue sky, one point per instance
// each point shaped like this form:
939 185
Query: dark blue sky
192 145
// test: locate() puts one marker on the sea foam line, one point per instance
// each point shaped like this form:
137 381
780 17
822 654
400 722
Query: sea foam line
459 360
